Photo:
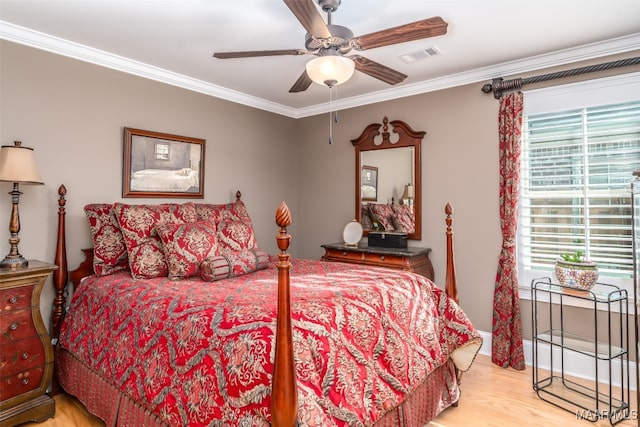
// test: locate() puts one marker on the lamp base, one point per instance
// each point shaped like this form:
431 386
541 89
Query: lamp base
13 261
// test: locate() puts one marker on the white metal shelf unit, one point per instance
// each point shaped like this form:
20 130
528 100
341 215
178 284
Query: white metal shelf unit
555 333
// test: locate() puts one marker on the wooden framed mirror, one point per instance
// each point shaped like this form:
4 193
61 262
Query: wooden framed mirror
395 204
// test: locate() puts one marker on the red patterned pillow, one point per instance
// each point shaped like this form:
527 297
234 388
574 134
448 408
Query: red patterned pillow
382 213
186 246
236 211
235 236
233 264
109 248
138 222
403 218
365 217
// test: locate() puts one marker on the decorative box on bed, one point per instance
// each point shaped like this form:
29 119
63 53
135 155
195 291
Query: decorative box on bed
339 349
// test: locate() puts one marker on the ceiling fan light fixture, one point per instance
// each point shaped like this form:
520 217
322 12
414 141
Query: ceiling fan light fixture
330 69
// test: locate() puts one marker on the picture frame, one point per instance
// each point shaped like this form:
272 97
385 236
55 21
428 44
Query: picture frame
162 165
369 183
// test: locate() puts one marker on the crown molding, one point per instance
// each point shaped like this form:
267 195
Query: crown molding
42 41
38 40
562 57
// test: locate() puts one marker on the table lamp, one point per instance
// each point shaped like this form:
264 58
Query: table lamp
408 195
17 165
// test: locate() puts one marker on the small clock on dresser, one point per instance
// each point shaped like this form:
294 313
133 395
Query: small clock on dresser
26 354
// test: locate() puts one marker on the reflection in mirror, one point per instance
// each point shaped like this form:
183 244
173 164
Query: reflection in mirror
369 183
388 188
394 170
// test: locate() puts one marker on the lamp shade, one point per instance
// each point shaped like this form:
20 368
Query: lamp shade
409 192
331 69
18 164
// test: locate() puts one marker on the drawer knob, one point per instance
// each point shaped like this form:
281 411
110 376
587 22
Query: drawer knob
13 299
344 254
24 377
13 326
25 356
382 258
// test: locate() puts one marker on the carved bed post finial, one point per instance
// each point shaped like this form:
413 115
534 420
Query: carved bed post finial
284 393
60 275
238 195
283 220
451 286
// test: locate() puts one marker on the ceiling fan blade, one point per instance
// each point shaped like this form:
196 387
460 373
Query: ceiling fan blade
309 17
426 28
379 71
302 84
254 53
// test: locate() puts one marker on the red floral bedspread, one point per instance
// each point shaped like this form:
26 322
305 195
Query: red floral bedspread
195 352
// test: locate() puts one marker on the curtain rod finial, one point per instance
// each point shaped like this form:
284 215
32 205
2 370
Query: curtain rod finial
495 86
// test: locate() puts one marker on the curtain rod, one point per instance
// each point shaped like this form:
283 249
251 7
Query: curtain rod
498 86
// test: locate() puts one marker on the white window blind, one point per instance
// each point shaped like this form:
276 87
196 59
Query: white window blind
578 155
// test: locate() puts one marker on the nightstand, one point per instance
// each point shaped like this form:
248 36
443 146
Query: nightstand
26 354
409 259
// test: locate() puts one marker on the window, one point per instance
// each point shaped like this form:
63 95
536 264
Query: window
580 146
162 151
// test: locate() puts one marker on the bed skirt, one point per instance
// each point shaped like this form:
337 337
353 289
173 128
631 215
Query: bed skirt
101 398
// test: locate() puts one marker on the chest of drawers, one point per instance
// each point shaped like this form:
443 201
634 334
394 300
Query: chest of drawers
26 355
409 259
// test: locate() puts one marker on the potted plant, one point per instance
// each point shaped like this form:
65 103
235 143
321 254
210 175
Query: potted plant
574 271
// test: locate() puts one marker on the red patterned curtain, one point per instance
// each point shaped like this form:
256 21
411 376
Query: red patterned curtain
506 341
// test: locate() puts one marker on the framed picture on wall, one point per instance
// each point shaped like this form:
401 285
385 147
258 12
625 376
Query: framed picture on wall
162 165
369 183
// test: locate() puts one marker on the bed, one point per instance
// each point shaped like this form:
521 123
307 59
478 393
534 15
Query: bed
180 180
319 344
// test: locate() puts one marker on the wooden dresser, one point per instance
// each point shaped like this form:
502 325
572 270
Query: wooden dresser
410 259
26 354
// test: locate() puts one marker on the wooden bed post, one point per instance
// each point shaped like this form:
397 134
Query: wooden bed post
451 285
60 276
284 393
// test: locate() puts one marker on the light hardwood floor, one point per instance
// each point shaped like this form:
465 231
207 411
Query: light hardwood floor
491 396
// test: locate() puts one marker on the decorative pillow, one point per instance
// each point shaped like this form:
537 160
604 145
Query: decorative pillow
235 236
365 218
236 211
138 222
382 213
109 248
233 264
186 246
403 218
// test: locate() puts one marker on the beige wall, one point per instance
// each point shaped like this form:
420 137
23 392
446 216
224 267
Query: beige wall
459 166
73 113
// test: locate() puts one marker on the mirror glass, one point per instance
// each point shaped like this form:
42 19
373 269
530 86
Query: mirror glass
388 190
389 171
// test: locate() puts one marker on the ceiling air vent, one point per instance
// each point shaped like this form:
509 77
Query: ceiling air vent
421 54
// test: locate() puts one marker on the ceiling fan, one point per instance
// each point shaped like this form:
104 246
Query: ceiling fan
335 42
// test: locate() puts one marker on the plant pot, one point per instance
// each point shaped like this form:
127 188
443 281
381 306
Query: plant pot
577 275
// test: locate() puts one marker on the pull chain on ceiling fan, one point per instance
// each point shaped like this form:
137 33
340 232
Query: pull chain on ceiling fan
331 43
